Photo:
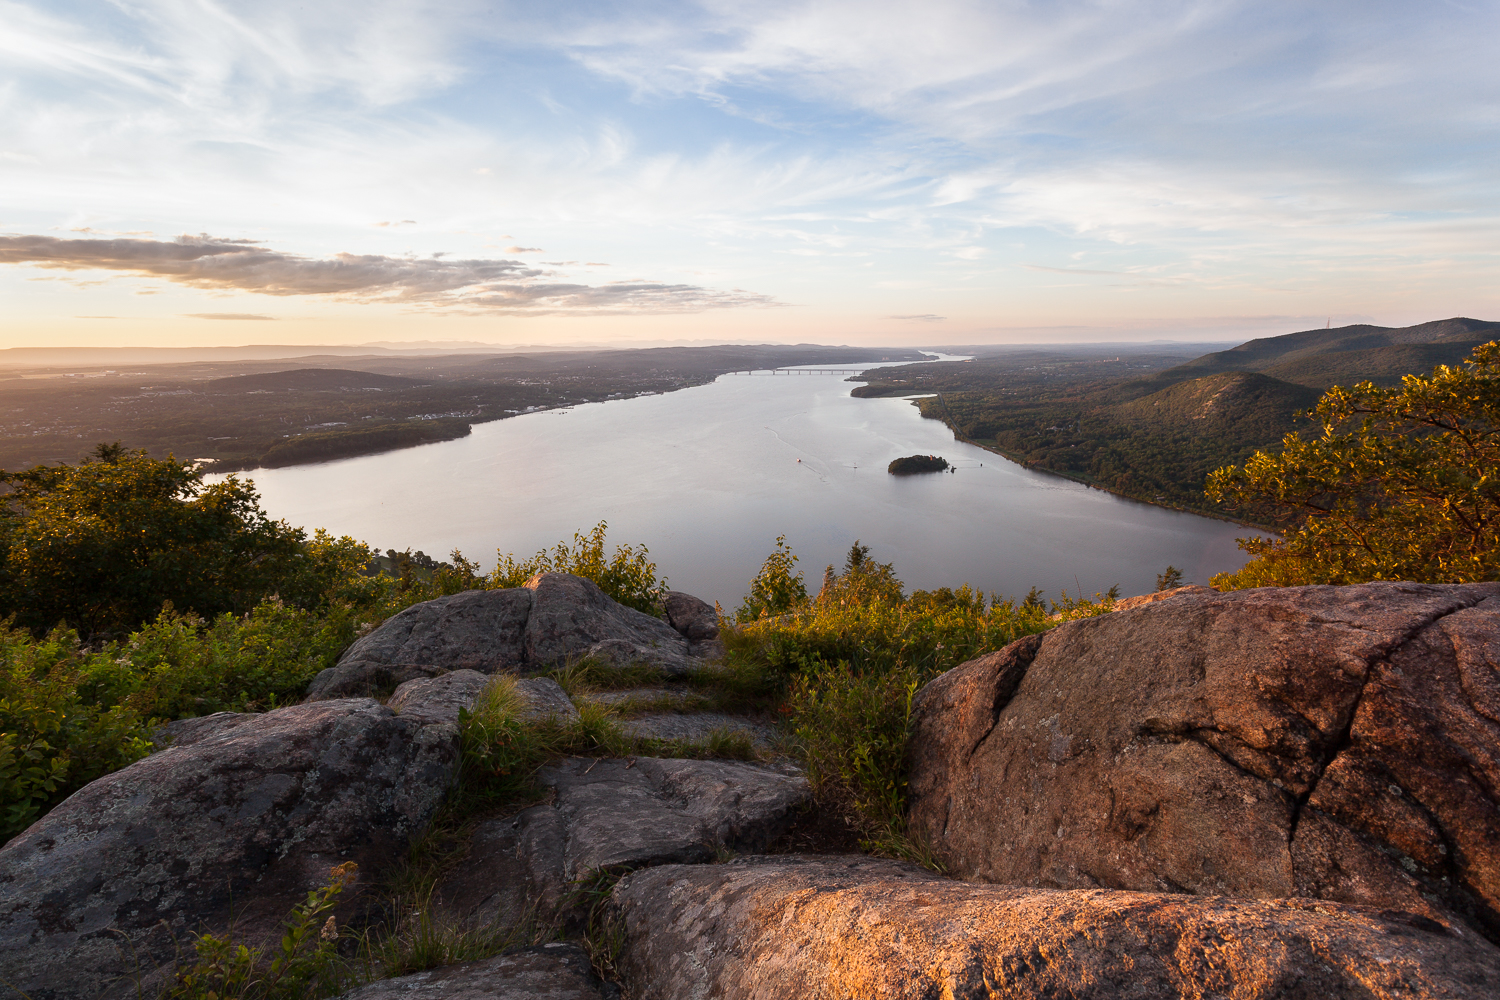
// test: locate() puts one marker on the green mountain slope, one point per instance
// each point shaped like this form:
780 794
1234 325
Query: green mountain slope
1237 405
1320 358
1155 435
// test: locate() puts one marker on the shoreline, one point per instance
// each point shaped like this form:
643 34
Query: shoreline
947 421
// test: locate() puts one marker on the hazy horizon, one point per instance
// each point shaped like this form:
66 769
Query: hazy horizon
175 175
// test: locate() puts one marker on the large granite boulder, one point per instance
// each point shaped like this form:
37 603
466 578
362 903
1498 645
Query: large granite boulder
1341 743
236 820
554 620
571 618
476 630
835 927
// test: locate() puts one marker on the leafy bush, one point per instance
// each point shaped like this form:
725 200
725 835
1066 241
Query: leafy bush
849 662
628 576
101 546
1403 484
69 714
55 737
776 588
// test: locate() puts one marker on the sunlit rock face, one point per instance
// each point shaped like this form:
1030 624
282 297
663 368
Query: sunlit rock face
853 926
1338 743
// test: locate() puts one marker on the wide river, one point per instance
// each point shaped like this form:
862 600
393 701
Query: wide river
707 478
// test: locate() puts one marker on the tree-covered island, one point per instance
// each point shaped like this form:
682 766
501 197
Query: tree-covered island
913 464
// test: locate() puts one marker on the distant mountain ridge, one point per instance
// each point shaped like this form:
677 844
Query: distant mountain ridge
1347 354
309 379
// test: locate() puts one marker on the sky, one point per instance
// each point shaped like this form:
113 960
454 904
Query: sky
200 173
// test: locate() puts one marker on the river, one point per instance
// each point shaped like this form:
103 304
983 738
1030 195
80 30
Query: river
707 477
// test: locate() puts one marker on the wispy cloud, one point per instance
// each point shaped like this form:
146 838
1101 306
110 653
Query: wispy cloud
236 316
1072 270
218 264
922 317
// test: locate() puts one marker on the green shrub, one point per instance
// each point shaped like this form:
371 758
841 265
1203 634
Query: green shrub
181 666
69 714
848 663
776 589
628 576
101 546
54 737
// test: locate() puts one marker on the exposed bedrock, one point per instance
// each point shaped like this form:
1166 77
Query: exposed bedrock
613 815
556 618
830 928
555 971
1340 743
237 821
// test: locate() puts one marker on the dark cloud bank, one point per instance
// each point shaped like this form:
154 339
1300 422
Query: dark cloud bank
244 265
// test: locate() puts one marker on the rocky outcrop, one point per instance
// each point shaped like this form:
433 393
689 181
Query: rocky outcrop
612 815
1340 743
572 618
440 699
697 621
1126 603
546 972
237 819
774 927
480 630
555 619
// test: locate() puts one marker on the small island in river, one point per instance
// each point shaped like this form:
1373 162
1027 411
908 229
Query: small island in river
913 464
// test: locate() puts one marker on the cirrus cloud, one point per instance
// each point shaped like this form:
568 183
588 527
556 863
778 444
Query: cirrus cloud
219 264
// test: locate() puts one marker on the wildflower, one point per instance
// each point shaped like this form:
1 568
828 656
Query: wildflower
330 929
342 875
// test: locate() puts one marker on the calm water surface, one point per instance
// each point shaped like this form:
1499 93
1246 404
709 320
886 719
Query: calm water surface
708 477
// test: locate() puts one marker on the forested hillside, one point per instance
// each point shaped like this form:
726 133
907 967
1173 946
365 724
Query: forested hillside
1152 426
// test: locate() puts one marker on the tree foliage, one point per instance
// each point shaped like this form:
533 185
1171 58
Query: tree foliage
777 588
628 576
102 545
1402 484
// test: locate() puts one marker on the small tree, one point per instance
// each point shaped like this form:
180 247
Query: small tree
776 589
1168 579
864 581
102 545
1403 484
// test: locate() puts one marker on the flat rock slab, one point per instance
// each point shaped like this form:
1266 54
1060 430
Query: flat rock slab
545 972
613 814
544 698
697 727
490 888
1338 743
439 699
773 927
240 820
481 630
